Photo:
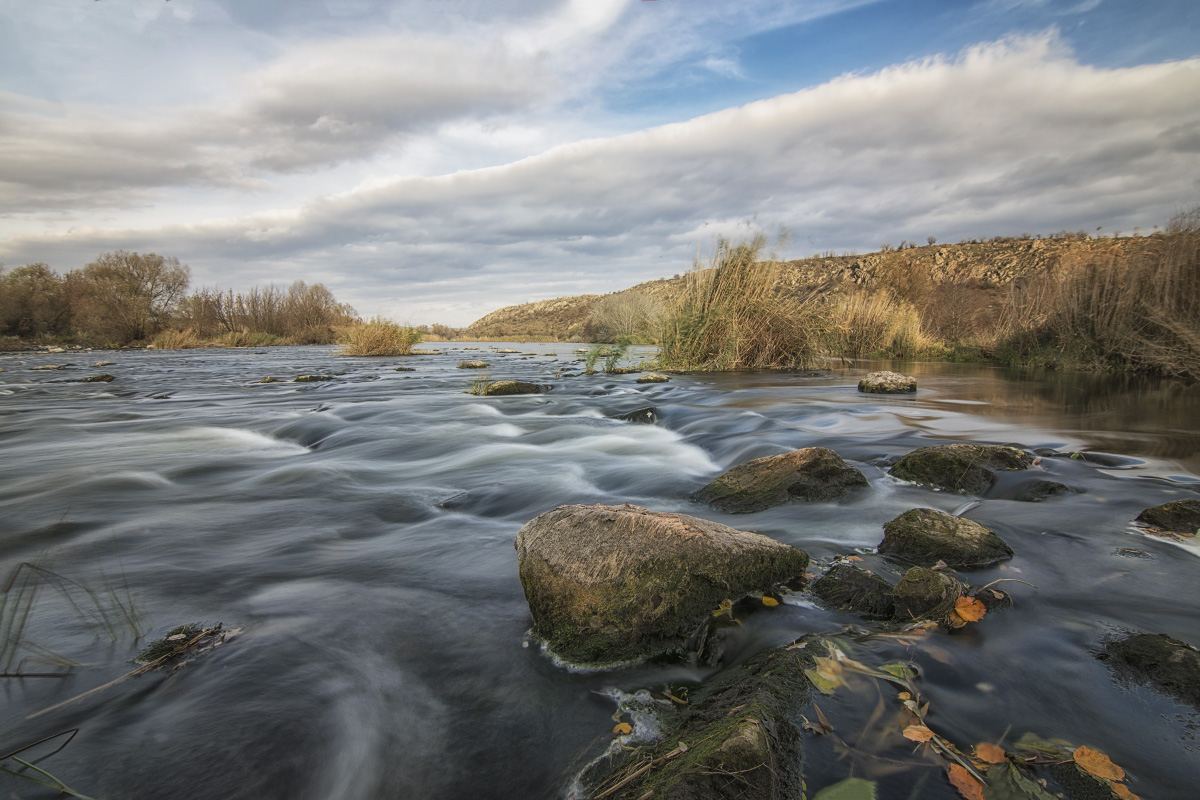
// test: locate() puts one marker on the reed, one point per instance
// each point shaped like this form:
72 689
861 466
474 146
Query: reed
878 324
379 337
176 340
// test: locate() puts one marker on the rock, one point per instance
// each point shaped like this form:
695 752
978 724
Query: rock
642 416
104 364
925 536
1039 489
846 586
1177 516
608 584
269 379
811 473
50 366
966 468
405 369
993 599
508 351
653 377
103 377
737 733
312 378
887 383
926 594
514 387
1080 784
1169 665
473 364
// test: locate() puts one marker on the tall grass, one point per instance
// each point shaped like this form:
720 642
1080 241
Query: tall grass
877 324
729 315
379 337
176 340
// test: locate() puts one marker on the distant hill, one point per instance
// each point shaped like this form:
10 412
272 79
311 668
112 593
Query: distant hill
919 273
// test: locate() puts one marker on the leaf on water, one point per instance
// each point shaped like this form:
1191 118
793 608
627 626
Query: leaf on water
1007 782
623 729
969 608
990 753
902 671
848 789
826 675
1097 764
823 725
919 733
1049 748
965 782
1122 791
769 601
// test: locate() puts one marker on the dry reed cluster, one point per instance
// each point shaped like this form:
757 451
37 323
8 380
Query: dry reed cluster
379 337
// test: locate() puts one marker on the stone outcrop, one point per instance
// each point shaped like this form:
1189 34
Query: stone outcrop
1178 516
887 383
1169 665
473 365
653 377
966 468
501 388
925 536
854 589
811 474
641 416
609 584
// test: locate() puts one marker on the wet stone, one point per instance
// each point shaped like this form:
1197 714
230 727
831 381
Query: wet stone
965 468
1169 665
1038 490
103 377
812 474
641 416
925 536
312 378
848 587
653 377
887 383
501 388
1178 516
927 594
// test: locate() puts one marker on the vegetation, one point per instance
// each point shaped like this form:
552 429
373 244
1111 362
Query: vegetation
379 337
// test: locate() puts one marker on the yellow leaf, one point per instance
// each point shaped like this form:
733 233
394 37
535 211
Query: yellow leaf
918 733
990 753
1122 791
970 609
965 782
904 696
1097 763
770 601
623 729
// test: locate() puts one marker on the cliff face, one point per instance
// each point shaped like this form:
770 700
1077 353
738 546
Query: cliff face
983 265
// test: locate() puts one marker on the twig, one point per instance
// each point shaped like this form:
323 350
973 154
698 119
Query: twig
680 750
1002 580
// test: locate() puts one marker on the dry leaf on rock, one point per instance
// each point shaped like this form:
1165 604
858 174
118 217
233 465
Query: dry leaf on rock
769 601
990 753
918 733
623 729
1122 791
1097 764
969 608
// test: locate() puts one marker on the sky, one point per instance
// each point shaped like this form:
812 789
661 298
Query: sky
433 161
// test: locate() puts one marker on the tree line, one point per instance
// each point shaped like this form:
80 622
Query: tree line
123 298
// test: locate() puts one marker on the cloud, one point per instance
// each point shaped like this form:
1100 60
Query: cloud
1003 138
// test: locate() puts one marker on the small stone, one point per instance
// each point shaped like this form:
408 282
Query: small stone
926 536
642 416
405 369
887 383
269 379
927 594
312 378
1177 516
473 365
104 364
1168 664
813 474
49 366
103 377
653 377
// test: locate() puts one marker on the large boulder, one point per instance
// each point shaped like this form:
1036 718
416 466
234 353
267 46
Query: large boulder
1171 666
857 590
925 536
734 739
966 468
609 584
1178 516
925 593
811 473
887 383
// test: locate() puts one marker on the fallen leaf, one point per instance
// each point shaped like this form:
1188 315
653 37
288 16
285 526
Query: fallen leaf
965 782
854 558
1122 791
1097 764
990 753
770 601
848 789
918 733
623 729
969 608
904 696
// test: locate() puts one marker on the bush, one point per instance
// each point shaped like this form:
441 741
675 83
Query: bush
379 337
176 340
876 324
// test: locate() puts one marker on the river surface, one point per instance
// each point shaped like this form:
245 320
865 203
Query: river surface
360 534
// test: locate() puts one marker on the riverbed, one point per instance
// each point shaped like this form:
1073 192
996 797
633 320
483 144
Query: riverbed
359 532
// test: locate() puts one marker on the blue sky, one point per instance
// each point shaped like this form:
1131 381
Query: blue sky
434 161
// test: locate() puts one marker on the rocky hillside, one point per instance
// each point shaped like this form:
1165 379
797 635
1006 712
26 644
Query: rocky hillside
913 272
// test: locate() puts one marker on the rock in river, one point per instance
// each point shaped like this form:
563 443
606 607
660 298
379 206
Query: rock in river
927 594
1171 666
968 468
608 584
500 388
811 473
844 586
887 383
925 536
1178 516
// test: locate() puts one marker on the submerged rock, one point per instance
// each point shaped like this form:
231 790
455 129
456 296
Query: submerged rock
887 383
925 593
642 416
608 584
1177 516
312 378
104 364
848 587
1169 665
269 379
653 377
925 536
1039 489
49 366
734 739
103 377
966 468
473 364
499 388
811 473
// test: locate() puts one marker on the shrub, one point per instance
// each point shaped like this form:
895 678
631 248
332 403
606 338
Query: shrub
876 324
379 337
176 340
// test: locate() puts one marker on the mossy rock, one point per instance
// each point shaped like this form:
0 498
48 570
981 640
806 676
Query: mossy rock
501 388
1178 516
887 383
1079 784
653 377
612 584
737 734
812 473
1169 665
473 365
312 378
846 586
927 594
269 379
103 377
925 536
965 468
1039 489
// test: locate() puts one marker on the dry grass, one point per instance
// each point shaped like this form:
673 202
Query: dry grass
877 324
379 337
176 340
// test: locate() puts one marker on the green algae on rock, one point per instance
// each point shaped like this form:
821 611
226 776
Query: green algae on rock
1168 664
966 468
846 586
925 593
612 584
1177 516
925 536
810 473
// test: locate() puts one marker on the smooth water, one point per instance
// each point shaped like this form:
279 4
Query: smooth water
360 532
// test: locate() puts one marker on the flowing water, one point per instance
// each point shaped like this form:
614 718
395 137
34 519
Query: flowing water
360 533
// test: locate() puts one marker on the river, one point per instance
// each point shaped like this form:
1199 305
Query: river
359 532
